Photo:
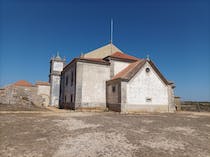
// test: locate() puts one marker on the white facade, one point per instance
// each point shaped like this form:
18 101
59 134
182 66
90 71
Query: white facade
147 88
118 81
55 90
56 66
94 79
118 66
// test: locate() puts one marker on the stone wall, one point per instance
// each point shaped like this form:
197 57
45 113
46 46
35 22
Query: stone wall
20 95
195 106
177 103
44 92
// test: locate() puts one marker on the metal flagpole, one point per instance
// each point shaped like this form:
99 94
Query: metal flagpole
111 30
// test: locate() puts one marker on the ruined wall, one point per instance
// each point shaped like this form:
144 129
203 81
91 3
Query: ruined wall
20 95
177 102
44 92
195 106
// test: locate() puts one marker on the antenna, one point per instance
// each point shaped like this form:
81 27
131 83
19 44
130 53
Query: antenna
111 40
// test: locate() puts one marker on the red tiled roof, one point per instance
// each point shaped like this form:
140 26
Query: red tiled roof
42 83
23 83
121 55
130 70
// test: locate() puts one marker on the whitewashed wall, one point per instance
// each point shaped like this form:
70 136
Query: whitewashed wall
94 77
118 66
147 85
55 90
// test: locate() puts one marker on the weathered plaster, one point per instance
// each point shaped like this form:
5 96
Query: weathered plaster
117 66
93 79
147 85
44 92
56 66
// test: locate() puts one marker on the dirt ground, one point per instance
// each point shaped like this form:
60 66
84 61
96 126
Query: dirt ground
109 134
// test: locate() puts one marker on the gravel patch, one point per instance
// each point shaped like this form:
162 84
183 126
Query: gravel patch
96 144
164 144
183 130
73 124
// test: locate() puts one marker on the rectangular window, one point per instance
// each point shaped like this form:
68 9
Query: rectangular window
71 97
65 99
148 99
67 80
72 78
113 89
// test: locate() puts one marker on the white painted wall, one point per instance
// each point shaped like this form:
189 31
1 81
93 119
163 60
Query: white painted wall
119 66
55 90
94 79
144 85
58 66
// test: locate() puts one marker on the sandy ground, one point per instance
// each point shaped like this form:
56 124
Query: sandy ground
76 134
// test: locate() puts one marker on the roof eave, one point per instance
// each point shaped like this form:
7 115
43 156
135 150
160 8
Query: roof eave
119 59
92 61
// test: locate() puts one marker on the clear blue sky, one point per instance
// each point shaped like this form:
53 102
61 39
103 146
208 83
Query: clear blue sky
176 35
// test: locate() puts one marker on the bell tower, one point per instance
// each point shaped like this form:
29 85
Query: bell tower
56 67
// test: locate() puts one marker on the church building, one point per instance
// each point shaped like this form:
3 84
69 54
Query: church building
107 78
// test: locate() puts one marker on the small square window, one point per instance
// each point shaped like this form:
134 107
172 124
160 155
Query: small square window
148 99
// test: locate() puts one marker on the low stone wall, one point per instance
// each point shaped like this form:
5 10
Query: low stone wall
20 95
195 106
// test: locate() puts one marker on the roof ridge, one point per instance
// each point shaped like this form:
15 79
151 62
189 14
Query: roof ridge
120 55
135 64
